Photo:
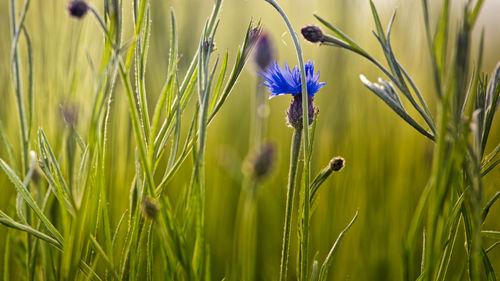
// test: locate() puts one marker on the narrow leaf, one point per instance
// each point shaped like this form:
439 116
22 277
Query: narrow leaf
326 264
30 201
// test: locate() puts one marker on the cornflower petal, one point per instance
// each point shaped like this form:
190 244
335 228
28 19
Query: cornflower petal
282 81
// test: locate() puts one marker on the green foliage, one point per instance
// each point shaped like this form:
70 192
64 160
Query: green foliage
128 110
454 193
74 217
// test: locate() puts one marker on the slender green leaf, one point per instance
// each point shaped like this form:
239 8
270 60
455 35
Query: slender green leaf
8 221
342 36
440 41
30 201
323 274
389 95
490 272
489 204
492 246
491 234
376 19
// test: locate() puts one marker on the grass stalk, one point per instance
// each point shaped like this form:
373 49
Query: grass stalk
246 232
294 157
16 73
304 237
260 114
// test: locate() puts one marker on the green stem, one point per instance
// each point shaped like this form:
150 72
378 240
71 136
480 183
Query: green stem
260 114
16 73
205 78
294 156
137 129
139 135
138 26
18 86
305 116
246 232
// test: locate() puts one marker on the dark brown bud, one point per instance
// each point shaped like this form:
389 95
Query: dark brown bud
254 35
36 176
312 33
264 52
78 8
337 163
150 208
69 113
209 45
260 164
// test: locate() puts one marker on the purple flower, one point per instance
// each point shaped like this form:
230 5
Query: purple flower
282 81
264 51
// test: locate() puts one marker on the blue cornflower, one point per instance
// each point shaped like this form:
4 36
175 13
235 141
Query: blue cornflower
282 81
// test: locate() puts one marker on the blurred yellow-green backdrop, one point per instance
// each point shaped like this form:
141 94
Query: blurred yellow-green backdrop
387 162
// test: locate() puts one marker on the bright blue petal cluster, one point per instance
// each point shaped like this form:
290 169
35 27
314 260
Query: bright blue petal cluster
282 81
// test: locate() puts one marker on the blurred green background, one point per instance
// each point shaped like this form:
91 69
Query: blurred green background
387 162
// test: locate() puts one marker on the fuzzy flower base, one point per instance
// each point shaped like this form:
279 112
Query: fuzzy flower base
283 81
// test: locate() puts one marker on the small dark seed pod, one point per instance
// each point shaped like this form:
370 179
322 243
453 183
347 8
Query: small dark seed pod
149 208
312 33
78 8
337 163
264 51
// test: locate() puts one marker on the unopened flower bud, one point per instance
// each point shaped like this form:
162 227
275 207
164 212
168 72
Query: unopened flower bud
294 112
42 162
254 35
262 162
78 8
150 208
312 33
264 52
69 113
36 176
209 45
337 163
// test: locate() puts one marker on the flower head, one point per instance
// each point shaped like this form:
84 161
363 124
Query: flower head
150 208
281 81
312 33
69 112
336 164
264 51
260 164
78 8
294 115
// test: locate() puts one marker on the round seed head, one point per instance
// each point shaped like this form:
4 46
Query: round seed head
78 8
337 163
150 208
36 176
69 113
260 164
209 45
312 33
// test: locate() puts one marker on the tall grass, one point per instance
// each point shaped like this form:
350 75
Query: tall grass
122 132
467 103
81 242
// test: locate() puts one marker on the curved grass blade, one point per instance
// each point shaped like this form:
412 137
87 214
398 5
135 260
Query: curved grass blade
491 234
31 202
389 95
489 204
10 222
323 274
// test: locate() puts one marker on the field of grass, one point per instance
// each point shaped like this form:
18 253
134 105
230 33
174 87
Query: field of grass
74 208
